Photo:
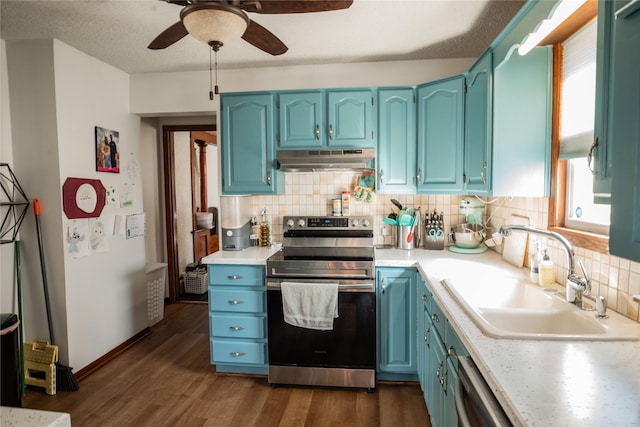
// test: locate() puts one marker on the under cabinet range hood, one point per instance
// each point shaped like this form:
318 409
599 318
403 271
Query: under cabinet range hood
314 160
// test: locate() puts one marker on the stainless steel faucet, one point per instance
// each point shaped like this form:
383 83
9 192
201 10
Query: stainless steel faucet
577 286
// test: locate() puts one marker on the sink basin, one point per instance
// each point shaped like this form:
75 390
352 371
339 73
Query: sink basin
510 307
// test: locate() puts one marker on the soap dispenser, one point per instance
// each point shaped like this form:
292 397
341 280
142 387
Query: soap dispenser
547 271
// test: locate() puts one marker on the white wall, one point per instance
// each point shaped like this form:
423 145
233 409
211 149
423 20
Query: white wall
57 95
188 92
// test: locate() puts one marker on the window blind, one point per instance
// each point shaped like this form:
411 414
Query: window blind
578 92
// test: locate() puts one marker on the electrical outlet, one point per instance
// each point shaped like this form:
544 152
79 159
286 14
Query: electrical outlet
384 231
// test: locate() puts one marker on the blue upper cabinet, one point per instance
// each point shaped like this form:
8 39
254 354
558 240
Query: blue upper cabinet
478 125
323 119
248 150
522 95
601 148
351 118
624 122
396 158
301 120
440 136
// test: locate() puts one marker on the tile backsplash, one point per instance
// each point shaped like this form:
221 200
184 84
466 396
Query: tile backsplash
311 193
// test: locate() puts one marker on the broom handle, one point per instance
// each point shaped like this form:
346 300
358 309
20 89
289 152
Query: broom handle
36 210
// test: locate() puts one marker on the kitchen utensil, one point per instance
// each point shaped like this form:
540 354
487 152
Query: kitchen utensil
396 203
393 216
467 236
414 222
390 221
405 220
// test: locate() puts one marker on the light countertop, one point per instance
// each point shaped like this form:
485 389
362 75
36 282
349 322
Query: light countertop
21 417
538 383
254 255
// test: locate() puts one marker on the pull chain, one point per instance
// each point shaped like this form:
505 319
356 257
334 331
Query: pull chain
210 78
216 87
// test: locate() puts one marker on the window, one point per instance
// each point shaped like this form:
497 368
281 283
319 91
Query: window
575 81
576 131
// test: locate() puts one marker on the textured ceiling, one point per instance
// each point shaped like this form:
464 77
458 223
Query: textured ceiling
118 31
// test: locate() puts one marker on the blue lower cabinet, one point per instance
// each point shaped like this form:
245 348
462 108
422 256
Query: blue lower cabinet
396 313
438 363
238 318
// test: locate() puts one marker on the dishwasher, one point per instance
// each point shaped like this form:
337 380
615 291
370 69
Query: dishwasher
476 405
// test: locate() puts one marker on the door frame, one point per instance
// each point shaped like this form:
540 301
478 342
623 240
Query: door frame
173 269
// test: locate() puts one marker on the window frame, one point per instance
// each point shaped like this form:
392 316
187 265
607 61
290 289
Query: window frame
557 193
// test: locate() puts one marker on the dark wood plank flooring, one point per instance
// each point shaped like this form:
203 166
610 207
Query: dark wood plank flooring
166 380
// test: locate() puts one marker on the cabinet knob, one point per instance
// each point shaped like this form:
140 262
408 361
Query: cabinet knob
234 277
381 176
330 131
435 318
418 176
236 328
317 132
268 178
235 302
236 353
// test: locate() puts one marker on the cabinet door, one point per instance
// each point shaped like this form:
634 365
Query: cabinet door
602 147
397 320
440 136
396 158
625 132
351 120
248 152
522 124
478 124
301 120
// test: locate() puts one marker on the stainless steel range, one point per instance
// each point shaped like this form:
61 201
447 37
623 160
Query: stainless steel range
325 250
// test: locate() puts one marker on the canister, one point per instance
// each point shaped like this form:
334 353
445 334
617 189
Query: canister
345 203
336 207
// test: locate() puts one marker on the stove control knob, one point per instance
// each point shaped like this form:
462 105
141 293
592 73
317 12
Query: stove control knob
301 222
354 222
290 223
365 223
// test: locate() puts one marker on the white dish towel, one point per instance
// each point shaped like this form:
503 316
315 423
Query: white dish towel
311 306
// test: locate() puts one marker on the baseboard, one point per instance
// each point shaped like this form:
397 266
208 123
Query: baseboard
98 363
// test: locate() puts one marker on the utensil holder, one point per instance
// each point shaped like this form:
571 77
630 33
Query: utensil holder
402 232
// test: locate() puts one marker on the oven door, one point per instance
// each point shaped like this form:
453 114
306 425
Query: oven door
350 344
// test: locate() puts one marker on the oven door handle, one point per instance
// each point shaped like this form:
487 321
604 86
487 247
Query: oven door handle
344 287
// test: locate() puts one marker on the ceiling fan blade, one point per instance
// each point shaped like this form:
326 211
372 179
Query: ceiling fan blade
264 39
302 6
169 36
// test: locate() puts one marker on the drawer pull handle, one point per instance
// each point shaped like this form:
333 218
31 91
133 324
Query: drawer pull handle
234 277
236 353
235 302
236 328
435 318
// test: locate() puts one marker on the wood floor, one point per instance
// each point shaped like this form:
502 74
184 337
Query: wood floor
166 380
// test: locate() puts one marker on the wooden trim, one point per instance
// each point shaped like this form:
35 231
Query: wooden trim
584 239
101 361
581 17
173 269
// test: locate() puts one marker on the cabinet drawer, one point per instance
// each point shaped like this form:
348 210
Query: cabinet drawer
232 351
237 326
236 301
241 275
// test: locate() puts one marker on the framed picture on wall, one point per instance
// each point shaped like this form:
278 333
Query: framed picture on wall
107 144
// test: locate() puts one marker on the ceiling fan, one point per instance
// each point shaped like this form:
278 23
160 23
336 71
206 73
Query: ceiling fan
216 22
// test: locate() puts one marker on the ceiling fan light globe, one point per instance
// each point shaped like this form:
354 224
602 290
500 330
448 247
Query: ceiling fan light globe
214 22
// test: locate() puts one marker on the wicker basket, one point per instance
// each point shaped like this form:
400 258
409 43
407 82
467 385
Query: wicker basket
195 282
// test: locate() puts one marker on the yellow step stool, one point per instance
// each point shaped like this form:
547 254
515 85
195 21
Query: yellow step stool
40 359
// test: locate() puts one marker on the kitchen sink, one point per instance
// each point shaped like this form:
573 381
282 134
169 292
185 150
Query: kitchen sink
510 307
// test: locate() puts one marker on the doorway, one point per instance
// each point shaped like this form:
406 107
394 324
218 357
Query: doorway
184 238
